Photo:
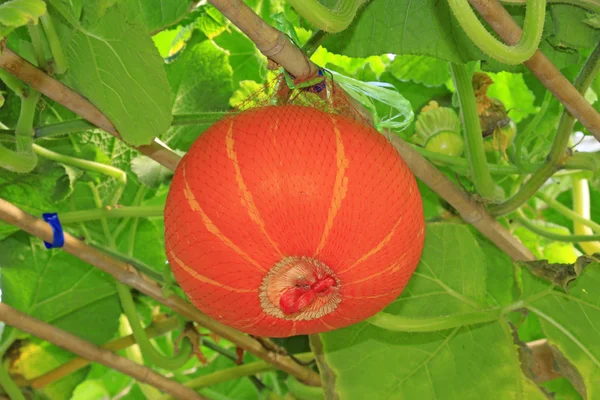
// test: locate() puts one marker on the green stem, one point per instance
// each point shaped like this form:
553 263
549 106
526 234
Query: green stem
520 52
137 264
478 168
556 157
139 196
332 21
399 323
199 118
110 239
78 125
141 337
62 128
10 387
578 162
9 339
93 166
72 217
131 238
60 61
87 165
581 206
235 373
567 212
524 137
313 43
23 159
35 34
13 83
520 217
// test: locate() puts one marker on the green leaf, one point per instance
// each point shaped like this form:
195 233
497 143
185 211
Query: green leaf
149 172
157 14
465 362
65 184
570 29
201 81
571 321
561 389
145 242
500 282
403 27
512 91
431 201
16 13
247 63
420 69
397 114
125 79
32 192
58 288
246 89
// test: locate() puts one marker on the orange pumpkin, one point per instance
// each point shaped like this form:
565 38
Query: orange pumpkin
288 220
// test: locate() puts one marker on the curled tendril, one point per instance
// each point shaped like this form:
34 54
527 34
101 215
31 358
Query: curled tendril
520 52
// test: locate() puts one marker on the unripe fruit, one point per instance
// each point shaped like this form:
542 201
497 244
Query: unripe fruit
288 220
438 129
446 142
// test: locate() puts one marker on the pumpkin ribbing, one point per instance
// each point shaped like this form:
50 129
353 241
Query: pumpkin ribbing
289 220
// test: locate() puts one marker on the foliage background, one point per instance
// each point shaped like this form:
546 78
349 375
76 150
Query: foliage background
142 63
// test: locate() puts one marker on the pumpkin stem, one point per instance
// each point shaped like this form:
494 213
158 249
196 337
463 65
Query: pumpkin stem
296 298
300 288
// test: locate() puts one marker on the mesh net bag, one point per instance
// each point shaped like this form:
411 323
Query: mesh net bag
292 215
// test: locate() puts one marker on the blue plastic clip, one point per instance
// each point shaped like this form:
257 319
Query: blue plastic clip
59 236
319 87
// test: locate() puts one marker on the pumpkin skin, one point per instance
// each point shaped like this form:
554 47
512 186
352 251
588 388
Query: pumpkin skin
288 220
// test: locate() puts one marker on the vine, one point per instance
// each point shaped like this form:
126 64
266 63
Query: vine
522 219
142 339
9 385
60 61
329 20
478 168
522 51
399 323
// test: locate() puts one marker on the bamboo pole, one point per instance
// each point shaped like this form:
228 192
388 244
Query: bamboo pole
62 94
128 275
87 350
154 330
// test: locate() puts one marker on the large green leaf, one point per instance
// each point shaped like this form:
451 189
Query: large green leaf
247 63
58 288
569 27
125 79
467 362
571 321
201 81
420 69
512 91
157 14
405 27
